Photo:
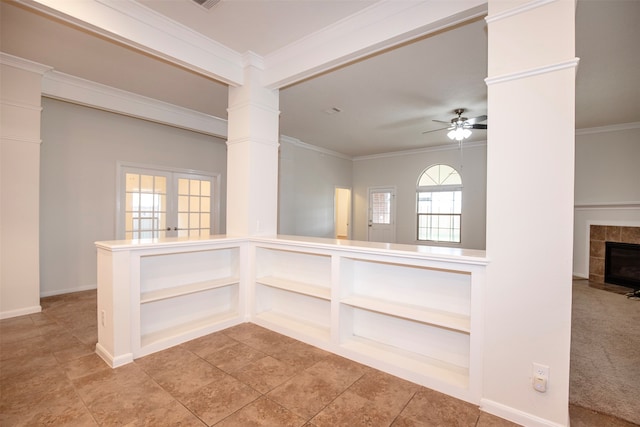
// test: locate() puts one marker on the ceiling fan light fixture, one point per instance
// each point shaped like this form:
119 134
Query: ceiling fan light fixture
459 133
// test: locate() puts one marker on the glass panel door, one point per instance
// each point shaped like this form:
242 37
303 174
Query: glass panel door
382 226
154 203
194 205
145 205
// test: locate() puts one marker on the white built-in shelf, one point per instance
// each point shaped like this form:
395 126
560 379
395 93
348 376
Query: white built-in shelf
187 289
440 370
186 328
454 321
295 286
294 324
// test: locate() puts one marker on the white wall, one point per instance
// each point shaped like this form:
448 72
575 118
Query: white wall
79 152
306 188
530 194
403 170
607 188
20 82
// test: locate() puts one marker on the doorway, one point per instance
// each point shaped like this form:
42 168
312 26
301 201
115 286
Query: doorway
156 203
342 214
382 213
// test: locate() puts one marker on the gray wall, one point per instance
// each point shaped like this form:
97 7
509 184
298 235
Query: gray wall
307 182
607 185
608 167
403 170
80 148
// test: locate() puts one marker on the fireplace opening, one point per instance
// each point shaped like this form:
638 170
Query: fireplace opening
622 265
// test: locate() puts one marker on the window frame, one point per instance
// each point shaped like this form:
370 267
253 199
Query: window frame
437 188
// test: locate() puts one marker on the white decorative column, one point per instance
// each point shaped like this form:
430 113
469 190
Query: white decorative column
20 94
530 176
252 155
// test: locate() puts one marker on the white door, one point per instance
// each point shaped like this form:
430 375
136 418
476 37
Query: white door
382 212
154 203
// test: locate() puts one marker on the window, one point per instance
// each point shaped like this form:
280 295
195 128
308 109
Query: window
439 204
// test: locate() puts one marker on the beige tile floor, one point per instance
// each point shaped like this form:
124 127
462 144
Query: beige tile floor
242 376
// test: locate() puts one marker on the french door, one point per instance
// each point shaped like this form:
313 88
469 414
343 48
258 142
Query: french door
155 203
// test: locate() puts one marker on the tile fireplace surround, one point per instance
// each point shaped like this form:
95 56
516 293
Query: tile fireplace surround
598 234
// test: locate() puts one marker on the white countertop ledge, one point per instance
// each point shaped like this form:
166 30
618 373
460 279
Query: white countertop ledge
471 256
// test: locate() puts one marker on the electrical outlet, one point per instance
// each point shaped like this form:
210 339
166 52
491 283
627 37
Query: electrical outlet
540 377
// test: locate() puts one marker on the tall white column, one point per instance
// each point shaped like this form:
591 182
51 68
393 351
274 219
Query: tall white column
20 94
530 175
252 155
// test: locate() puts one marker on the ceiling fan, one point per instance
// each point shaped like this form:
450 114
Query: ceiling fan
460 127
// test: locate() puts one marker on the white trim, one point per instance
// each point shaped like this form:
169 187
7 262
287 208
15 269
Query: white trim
142 28
523 8
607 206
296 142
393 212
570 63
216 178
608 128
445 147
518 416
252 59
68 290
6 138
23 105
69 88
23 64
20 312
265 141
250 104
111 361
383 25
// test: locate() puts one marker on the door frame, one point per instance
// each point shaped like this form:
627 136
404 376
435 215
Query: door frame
337 211
392 225
215 188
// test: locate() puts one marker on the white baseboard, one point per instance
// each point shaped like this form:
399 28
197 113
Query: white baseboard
114 362
20 312
44 294
519 417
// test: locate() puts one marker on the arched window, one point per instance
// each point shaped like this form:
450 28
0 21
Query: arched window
439 207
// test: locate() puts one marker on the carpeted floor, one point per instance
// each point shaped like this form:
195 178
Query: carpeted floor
605 352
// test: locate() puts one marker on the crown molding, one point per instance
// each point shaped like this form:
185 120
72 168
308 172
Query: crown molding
523 8
611 205
296 142
608 128
252 59
252 139
446 147
140 27
384 24
570 63
65 87
23 64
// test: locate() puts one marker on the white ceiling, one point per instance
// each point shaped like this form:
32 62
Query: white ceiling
386 100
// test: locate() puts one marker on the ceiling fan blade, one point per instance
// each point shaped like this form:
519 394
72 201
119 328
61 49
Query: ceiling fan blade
478 126
434 130
476 119
442 121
